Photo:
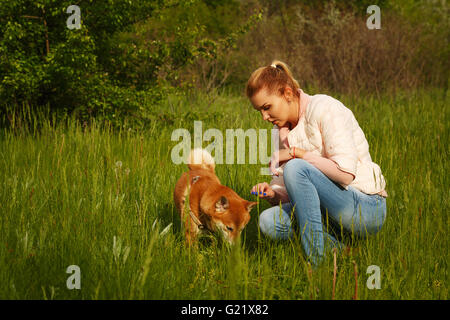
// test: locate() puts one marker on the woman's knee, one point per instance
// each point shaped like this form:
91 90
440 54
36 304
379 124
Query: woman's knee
266 222
276 227
294 168
296 165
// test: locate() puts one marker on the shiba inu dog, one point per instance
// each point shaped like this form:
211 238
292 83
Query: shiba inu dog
212 206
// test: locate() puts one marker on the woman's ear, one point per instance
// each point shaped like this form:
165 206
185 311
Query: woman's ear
288 94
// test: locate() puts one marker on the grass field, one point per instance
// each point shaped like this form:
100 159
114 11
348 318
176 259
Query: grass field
102 200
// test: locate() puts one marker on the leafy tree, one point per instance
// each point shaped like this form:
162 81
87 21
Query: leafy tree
98 69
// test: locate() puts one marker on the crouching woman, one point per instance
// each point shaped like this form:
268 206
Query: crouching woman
326 172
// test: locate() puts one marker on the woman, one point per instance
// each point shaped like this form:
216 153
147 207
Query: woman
327 173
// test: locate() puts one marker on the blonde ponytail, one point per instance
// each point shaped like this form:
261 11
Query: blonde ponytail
274 78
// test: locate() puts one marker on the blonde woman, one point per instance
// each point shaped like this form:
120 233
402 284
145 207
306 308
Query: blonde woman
326 171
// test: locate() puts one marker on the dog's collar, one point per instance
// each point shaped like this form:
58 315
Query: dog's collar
193 217
196 221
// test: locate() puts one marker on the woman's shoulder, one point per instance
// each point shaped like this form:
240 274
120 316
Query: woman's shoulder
322 104
324 101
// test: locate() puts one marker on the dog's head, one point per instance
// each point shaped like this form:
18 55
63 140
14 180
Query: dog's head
228 214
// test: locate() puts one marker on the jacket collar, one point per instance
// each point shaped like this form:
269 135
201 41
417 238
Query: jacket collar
283 132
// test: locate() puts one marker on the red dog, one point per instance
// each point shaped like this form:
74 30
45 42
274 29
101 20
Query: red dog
212 205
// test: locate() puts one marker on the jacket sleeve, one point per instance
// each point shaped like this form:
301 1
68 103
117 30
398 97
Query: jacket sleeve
336 123
329 168
277 182
277 185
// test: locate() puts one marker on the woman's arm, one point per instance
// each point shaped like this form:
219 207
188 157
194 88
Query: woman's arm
279 189
329 168
280 195
326 166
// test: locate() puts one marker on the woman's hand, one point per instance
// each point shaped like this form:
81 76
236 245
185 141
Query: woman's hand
263 190
283 155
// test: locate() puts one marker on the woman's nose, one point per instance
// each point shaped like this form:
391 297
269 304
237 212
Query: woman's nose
265 116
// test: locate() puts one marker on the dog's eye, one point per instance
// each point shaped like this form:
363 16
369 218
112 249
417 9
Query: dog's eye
229 228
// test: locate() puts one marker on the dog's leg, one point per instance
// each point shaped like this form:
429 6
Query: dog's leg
191 238
191 229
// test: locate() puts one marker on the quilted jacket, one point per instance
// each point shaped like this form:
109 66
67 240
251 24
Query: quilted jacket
329 129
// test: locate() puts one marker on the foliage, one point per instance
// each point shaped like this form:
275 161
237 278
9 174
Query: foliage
129 56
98 69
329 47
42 61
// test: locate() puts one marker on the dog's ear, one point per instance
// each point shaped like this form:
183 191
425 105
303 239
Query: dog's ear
222 204
249 205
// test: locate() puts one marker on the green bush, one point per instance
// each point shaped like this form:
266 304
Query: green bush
126 57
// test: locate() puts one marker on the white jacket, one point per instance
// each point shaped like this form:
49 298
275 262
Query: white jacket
329 129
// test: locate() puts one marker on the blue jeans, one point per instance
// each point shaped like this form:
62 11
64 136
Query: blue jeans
313 198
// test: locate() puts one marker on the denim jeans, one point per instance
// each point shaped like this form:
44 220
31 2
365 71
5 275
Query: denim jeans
322 210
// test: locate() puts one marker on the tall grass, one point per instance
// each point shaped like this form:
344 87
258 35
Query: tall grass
88 195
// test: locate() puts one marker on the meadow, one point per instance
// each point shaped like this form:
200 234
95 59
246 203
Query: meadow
85 194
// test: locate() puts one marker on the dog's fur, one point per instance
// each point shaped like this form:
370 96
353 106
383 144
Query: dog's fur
216 207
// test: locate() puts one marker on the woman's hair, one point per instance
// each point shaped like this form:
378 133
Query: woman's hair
274 78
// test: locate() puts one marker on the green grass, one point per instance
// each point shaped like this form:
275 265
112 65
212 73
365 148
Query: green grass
66 200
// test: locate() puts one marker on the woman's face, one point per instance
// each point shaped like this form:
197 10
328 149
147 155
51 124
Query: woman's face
274 108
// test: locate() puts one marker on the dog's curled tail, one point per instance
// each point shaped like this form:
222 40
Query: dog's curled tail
200 159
